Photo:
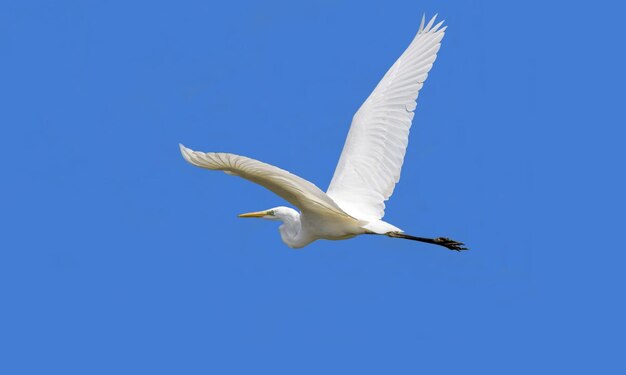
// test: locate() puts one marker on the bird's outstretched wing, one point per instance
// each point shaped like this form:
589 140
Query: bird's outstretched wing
296 190
372 157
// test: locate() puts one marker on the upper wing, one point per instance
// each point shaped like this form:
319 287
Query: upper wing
297 191
371 160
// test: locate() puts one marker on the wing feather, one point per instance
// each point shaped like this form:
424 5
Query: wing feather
372 157
295 190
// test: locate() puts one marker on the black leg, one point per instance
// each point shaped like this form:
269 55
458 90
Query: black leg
441 241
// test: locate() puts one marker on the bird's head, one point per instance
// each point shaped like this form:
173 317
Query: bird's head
276 213
290 227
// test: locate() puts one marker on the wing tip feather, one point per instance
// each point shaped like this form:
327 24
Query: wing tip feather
430 23
422 23
437 26
193 157
428 27
185 152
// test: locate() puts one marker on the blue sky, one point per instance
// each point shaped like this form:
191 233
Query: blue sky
118 257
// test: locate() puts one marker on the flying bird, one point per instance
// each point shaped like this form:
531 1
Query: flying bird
368 169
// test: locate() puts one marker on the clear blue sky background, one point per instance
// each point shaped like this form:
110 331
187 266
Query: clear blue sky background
117 257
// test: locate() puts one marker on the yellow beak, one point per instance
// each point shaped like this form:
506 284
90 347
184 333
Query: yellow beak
253 214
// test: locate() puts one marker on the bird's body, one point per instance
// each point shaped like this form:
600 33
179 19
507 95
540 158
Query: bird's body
368 169
299 230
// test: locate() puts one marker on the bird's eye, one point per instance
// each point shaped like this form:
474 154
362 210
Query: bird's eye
270 213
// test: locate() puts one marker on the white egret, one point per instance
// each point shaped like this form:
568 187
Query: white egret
369 166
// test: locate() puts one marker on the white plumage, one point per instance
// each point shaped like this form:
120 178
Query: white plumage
371 161
369 166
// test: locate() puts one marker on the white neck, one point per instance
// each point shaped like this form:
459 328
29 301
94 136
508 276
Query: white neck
291 229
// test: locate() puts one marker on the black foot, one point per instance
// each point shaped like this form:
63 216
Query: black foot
450 244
